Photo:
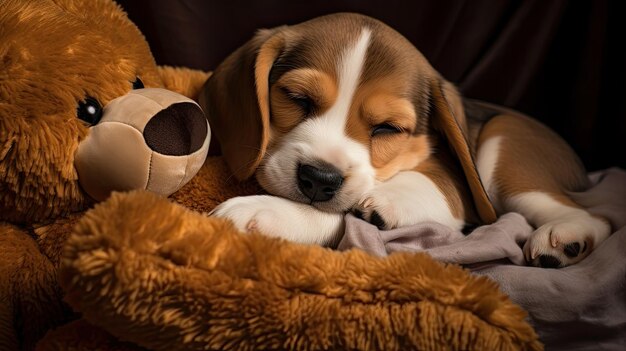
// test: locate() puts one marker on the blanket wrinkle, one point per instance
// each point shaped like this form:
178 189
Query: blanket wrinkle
580 307
442 242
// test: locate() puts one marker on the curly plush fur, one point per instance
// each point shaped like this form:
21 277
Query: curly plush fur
167 278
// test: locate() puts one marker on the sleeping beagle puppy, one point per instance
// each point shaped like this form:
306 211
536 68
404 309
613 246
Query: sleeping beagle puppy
342 113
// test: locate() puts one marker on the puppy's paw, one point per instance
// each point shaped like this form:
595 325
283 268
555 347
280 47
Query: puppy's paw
406 199
565 241
282 218
377 209
248 213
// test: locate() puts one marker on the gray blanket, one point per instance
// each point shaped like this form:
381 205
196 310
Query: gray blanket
581 307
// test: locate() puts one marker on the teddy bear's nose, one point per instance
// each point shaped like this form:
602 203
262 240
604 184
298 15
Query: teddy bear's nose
178 130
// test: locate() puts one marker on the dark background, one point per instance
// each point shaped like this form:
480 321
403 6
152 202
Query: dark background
562 62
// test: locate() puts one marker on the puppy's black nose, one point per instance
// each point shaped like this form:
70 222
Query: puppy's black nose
178 130
319 184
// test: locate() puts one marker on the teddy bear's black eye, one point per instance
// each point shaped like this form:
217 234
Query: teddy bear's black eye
89 111
138 84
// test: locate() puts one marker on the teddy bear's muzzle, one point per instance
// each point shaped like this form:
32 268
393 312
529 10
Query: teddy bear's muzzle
178 130
151 139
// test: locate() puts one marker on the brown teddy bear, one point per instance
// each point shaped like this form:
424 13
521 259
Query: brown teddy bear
79 118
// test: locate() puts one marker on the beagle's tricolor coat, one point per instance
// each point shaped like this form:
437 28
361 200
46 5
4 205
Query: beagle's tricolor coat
342 113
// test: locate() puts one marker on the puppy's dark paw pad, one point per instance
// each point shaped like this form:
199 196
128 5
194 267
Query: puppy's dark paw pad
358 213
547 261
572 249
377 220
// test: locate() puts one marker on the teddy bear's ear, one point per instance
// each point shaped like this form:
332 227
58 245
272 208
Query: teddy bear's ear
95 11
184 81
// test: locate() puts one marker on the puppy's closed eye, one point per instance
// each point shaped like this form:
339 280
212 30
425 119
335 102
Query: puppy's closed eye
299 94
384 129
306 104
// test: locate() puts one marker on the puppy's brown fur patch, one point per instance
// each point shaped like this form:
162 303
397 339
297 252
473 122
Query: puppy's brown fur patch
381 101
312 83
533 158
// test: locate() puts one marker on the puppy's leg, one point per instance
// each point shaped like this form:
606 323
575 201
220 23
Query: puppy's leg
565 232
527 168
279 217
427 193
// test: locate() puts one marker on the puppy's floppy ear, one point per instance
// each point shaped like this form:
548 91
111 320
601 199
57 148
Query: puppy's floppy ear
449 119
236 101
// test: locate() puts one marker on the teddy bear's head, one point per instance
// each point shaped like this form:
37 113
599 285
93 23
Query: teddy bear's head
79 112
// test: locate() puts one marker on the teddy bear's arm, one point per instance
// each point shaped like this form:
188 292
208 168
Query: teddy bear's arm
167 278
183 80
30 298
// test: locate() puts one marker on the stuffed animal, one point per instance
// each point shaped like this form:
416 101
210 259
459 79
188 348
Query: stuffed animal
80 117
83 112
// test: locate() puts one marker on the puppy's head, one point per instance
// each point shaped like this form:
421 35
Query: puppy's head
321 110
